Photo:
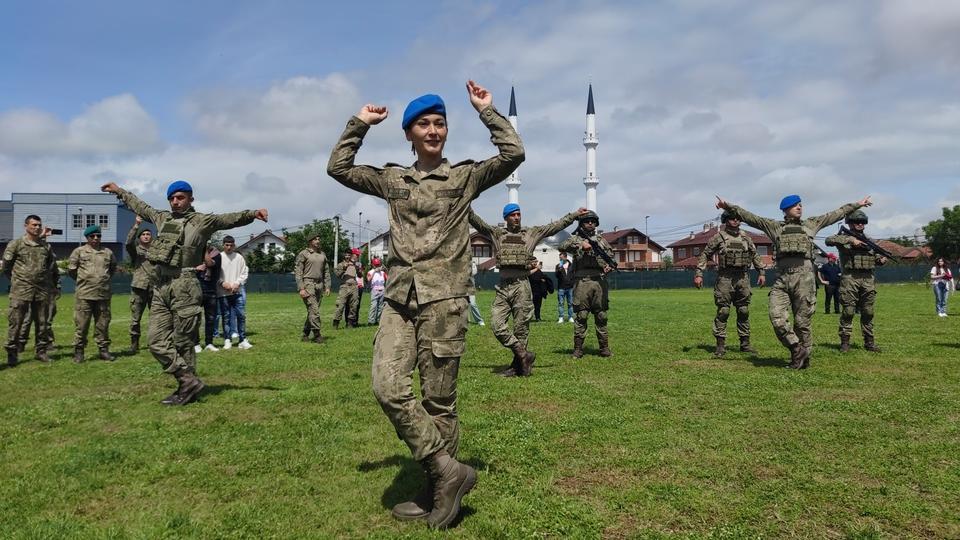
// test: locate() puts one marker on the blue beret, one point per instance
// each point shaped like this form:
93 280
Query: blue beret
92 229
425 104
788 201
510 208
179 185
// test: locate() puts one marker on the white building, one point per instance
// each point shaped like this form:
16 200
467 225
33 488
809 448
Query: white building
265 242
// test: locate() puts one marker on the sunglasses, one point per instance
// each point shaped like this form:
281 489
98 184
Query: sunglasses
93 235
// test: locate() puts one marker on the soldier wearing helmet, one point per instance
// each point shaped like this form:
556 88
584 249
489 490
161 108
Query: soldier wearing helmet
795 291
736 253
857 286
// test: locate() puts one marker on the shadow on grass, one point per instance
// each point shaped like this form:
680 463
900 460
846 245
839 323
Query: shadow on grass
215 389
410 479
954 345
768 362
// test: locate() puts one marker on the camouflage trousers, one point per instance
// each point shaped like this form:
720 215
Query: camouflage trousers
99 311
175 315
49 312
793 293
857 291
347 299
139 301
590 295
732 288
20 314
312 304
431 339
512 298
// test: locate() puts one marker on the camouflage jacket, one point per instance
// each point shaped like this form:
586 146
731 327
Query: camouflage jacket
585 262
531 237
32 269
91 269
197 230
142 268
429 234
717 243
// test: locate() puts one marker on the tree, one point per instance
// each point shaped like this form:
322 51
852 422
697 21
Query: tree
667 262
943 235
905 241
297 241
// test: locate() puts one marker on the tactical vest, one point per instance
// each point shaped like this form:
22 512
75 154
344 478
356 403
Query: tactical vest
167 247
734 253
513 251
793 242
861 259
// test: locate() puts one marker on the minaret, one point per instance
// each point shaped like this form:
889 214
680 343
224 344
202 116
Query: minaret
513 181
590 142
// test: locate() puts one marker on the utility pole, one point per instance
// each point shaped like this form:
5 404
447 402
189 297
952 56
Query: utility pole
336 239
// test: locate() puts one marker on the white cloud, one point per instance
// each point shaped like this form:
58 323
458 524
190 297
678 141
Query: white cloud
925 31
117 125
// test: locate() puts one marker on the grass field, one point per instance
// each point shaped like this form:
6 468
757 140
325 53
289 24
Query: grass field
662 440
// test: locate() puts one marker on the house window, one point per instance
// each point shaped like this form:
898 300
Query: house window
272 246
91 220
481 251
633 239
77 221
636 256
762 250
681 253
696 251
104 221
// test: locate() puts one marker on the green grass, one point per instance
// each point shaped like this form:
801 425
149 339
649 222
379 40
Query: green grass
662 440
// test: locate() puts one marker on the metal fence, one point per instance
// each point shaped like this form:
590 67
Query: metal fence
661 279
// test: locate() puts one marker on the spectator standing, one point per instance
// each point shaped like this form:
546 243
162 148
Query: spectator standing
564 273
829 276
377 278
540 286
208 273
942 280
231 294
472 299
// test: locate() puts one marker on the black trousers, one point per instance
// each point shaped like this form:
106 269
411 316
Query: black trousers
834 292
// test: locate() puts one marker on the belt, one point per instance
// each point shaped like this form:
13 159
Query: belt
598 277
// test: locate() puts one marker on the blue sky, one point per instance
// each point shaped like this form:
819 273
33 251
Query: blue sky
748 99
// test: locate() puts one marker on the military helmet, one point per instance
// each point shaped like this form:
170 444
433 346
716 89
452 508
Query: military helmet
588 216
857 216
728 215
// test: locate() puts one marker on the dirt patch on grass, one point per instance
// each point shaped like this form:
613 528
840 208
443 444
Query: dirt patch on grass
588 482
546 409
706 364
626 526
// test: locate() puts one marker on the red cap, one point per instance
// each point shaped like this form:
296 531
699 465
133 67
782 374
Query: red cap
832 256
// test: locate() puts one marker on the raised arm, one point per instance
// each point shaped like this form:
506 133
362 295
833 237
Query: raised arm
491 172
543 231
341 167
481 226
131 243
139 207
217 222
817 223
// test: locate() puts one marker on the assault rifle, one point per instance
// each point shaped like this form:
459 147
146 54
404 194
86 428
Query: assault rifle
597 249
869 243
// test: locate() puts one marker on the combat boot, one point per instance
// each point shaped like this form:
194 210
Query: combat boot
105 355
78 355
174 398
721 348
336 324
523 360
604 342
799 357
844 343
451 481
746 347
305 338
871 345
317 338
134 345
21 347
192 385
42 356
577 347
419 508
12 357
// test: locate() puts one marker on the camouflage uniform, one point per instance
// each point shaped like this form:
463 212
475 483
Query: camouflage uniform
795 289
857 289
736 253
53 294
514 251
590 290
313 275
348 298
177 306
424 323
30 265
141 289
92 269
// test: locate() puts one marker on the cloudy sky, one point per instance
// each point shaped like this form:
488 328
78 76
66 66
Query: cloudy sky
751 100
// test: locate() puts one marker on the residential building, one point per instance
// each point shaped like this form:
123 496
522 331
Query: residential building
686 252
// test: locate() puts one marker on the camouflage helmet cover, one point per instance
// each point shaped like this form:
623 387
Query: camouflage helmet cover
857 216
728 215
588 216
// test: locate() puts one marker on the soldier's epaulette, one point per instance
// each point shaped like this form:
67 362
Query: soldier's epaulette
464 162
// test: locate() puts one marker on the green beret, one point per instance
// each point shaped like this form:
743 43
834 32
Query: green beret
91 230
143 230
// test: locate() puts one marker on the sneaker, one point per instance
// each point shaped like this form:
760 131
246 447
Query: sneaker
571 319
481 323
211 347
197 349
234 336
227 344
560 320
245 345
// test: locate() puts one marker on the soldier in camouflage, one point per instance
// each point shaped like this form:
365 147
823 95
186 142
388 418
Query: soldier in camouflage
514 247
590 289
348 299
91 266
736 253
857 288
424 323
177 307
141 290
795 290
29 263
312 273
53 294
